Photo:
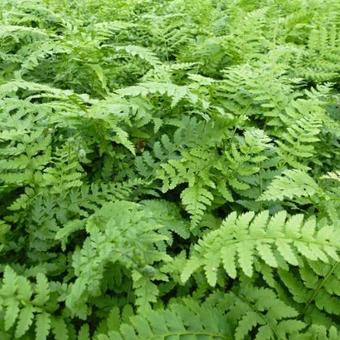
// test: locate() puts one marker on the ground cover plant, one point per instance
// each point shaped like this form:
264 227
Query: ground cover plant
169 169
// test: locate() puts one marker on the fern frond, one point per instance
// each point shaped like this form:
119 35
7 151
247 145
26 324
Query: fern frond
291 184
315 288
59 328
176 92
196 199
334 175
153 157
141 52
113 233
188 319
42 326
278 241
259 311
25 305
304 119
319 332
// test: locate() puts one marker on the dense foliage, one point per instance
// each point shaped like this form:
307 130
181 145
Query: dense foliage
169 169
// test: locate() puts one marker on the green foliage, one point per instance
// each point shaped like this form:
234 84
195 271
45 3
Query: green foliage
291 184
276 241
185 319
169 169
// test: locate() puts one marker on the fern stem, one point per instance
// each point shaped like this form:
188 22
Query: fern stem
320 285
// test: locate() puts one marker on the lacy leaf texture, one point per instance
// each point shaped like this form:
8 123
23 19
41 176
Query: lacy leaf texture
169 169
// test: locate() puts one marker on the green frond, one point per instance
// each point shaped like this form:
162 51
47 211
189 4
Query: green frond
315 289
25 305
169 169
42 326
175 92
335 176
259 309
278 240
291 184
180 320
114 232
196 199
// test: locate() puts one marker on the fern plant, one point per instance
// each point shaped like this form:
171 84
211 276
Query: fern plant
169 169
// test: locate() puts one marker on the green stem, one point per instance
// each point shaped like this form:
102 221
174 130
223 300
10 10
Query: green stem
318 288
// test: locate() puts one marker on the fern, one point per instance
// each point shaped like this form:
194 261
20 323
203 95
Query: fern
21 310
292 184
196 199
112 239
169 169
253 308
332 175
180 320
175 92
277 241
300 137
